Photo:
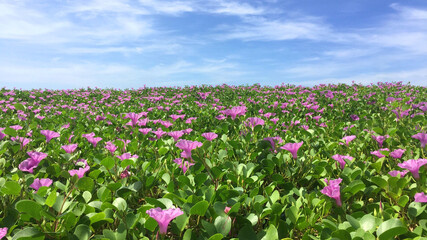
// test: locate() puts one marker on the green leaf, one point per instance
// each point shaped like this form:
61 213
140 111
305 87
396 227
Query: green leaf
292 214
10 131
354 223
30 207
120 204
19 106
222 154
391 228
82 232
51 199
163 151
217 236
85 184
378 130
126 162
11 188
271 233
28 233
403 200
368 223
108 163
247 233
341 234
223 225
199 208
379 181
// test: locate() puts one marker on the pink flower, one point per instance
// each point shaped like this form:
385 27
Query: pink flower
348 139
210 136
422 137
22 140
176 135
413 166
125 173
378 152
235 111
16 127
159 133
227 209
186 146
332 190
93 140
273 141
81 171
3 232
49 134
69 148
293 148
29 164
420 197
254 121
126 156
341 159
2 135
397 153
110 147
144 130
163 217
37 183
184 165
395 173
133 117
380 139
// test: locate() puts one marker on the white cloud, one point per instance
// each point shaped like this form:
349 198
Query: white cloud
263 29
168 7
233 8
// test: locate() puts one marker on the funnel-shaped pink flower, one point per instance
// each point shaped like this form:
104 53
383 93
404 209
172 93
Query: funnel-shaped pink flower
126 156
163 217
210 136
40 183
133 117
380 139
341 159
81 171
413 166
254 121
144 131
378 152
110 147
422 137
49 134
3 232
184 165
397 153
332 190
395 173
348 139
186 146
28 165
2 135
24 141
293 148
159 133
69 148
420 197
94 140
175 135
273 141
234 111
37 156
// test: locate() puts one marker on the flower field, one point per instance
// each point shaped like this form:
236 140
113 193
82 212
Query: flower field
214 162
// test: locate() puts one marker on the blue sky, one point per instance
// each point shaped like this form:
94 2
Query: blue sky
128 44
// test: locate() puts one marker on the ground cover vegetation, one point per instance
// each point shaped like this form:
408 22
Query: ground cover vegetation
214 162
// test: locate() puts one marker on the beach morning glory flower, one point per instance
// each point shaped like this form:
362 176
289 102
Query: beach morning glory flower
29 164
380 139
3 232
186 146
293 148
81 171
332 190
378 152
49 134
210 136
176 135
348 139
184 165
163 217
395 173
110 147
420 197
422 137
341 159
397 153
40 182
413 166
126 156
94 140
69 148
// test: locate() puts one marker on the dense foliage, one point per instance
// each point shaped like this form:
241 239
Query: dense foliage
214 162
